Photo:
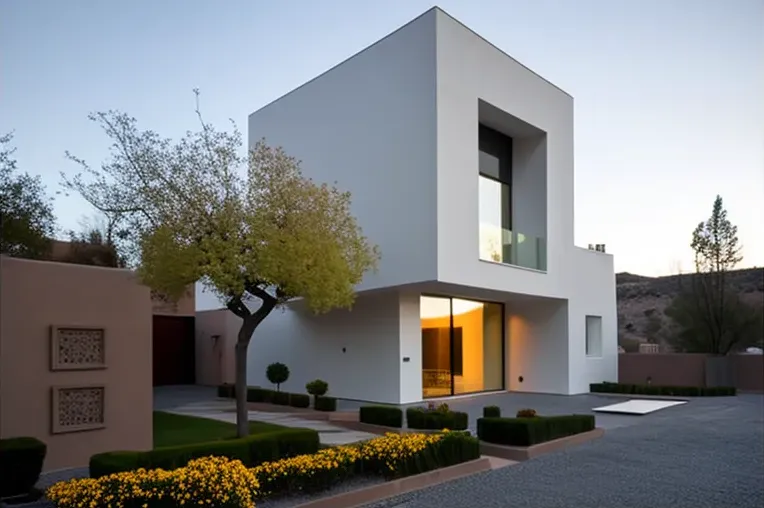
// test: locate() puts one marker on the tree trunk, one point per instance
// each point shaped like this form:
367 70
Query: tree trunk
249 322
242 415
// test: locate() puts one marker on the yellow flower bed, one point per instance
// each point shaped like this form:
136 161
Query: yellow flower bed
393 448
217 482
332 465
212 481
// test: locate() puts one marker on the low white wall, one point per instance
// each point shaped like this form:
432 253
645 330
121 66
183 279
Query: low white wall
356 352
593 294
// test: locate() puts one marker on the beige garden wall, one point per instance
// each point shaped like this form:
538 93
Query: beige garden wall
184 306
75 359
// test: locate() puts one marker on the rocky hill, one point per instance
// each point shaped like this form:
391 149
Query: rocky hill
642 300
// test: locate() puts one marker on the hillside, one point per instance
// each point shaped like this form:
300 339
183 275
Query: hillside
642 300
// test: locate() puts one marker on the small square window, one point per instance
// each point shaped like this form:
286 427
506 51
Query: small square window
593 335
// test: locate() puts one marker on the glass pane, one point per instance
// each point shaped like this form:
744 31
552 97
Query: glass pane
490 216
468 346
435 318
505 246
530 252
489 165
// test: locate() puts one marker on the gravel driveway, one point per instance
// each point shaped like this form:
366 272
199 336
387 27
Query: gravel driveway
707 453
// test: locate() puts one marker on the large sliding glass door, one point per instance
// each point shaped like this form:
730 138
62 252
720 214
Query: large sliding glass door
462 346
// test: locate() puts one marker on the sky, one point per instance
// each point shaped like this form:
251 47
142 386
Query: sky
669 94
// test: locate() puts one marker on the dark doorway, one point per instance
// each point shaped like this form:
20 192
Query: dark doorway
174 358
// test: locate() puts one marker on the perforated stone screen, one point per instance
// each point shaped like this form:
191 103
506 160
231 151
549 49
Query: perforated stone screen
77 348
77 408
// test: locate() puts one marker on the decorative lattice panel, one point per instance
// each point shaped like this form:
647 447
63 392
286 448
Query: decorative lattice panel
78 408
77 348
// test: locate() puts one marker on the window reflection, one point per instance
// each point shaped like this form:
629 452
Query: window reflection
493 213
462 346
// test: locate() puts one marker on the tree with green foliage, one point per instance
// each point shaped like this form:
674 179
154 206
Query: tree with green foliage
27 223
250 227
709 317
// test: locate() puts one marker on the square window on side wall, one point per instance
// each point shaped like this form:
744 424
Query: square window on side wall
594 336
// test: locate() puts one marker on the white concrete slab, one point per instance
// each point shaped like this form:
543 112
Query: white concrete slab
638 406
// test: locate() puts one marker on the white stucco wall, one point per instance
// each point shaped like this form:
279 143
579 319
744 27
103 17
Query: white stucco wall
355 351
593 294
469 70
397 125
369 125
410 347
538 351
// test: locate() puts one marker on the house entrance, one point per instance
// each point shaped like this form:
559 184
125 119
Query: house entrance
462 346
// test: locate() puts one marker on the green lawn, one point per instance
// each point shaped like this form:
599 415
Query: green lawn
172 430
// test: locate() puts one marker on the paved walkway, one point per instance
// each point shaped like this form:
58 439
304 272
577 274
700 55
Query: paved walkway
182 402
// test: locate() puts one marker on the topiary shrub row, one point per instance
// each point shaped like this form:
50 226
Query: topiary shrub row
251 450
387 416
436 419
534 430
676 391
255 394
21 460
300 400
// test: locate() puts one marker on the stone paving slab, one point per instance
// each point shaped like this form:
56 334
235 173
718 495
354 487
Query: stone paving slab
328 434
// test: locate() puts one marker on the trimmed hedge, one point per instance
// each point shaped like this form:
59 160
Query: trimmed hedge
531 431
280 398
418 418
386 416
227 391
251 450
491 412
677 391
256 394
299 400
21 461
323 403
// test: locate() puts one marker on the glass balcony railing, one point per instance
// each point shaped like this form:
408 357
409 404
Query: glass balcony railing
511 247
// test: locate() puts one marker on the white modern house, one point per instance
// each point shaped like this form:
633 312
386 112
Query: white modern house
460 163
